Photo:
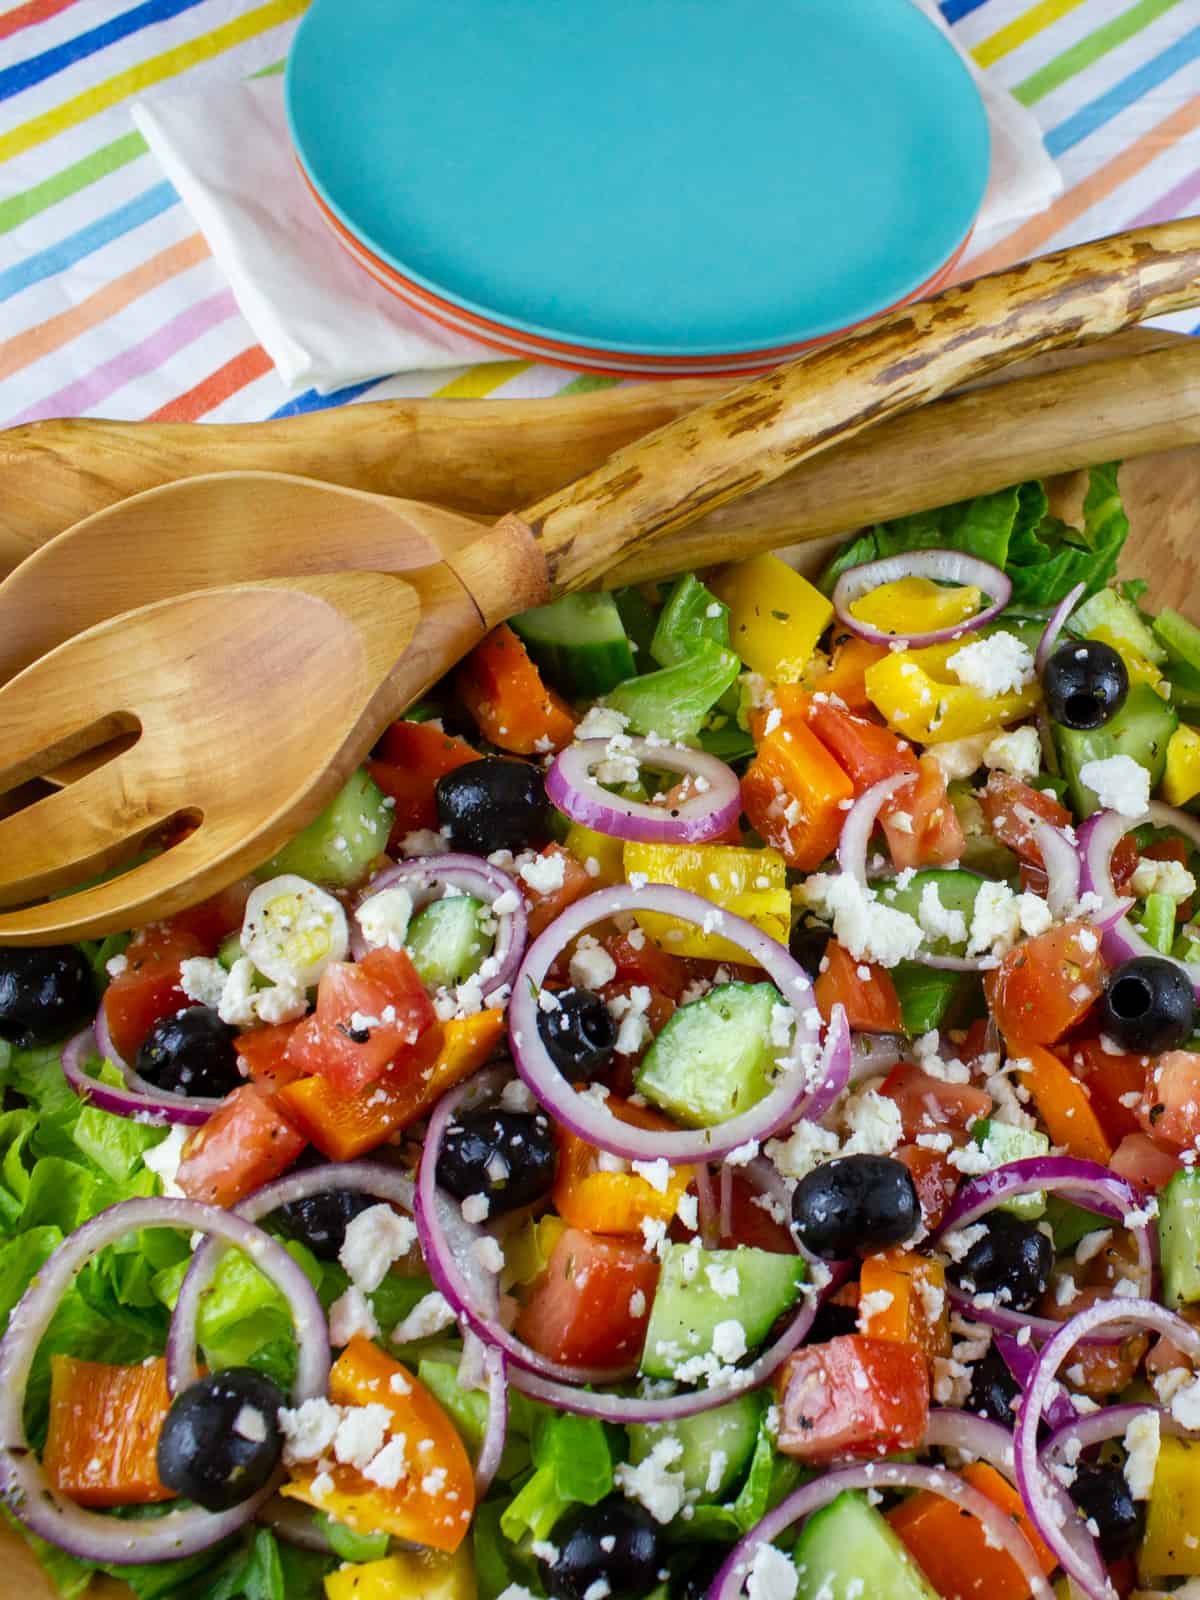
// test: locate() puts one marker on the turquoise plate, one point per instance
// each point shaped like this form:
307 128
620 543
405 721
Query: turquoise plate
678 178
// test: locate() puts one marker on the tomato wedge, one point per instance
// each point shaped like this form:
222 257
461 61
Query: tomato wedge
1046 985
591 1305
247 1141
369 1014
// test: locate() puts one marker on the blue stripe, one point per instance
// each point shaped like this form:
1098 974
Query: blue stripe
1110 104
24 74
310 400
955 10
36 268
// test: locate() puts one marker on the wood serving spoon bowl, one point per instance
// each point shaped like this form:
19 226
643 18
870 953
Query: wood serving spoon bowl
251 703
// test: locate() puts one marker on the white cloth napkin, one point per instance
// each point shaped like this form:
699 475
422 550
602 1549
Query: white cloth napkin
323 321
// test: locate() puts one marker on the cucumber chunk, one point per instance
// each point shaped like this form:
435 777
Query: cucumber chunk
702 1291
1181 640
1001 1143
1141 729
714 1058
447 940
1179 1237
717 1444
1071 1223
579 643
847 1550
340 845
1108 616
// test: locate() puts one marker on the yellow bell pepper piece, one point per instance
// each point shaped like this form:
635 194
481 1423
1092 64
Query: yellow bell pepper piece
527 1253
1172 1513
1181 776
916 605
1139 667
408 1575
585 844
923 700
751 883
775 616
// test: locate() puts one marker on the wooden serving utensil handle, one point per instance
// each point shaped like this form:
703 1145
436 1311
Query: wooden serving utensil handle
744 439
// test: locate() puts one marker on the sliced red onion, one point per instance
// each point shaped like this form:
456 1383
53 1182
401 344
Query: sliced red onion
138 1099
725 1215
1067 1536
30 1495
1061 861
943 566
1055 625
833 1077
971 1435
1000 1531
860 823
495 1380
429 877
1086 1183
364 1177
1098 838
705 814
706 1205
588 1117
298 1524
875 1053
1021 1360
1076 1434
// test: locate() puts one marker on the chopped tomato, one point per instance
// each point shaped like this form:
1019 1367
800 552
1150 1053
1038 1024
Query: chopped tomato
263 1055
755 1220
936 1180
409 760
975 1041
953 1548
852 1396
866 991
103 1434
920 824
1046 985
369 1014
1143 1162
591 1305
504 692
1170 1106
864 750
931 1105
588 1196
792 793
434 1500
543 905
147 989
1001 799
1063 1104
1097 1370
645 963
1109 1078
902 1297
246 1142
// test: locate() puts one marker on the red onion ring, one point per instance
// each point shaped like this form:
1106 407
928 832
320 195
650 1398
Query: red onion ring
590 1119
1061 860
426 876
1069 1539
706 1205
834 1075
138 1099
874 1053
1021 1360
860 822
23 1482
1055 625
725 1214
1098 838
298 1524
1000 1530
1100 1426
572 788
495 1380
951 1429
1085 1182
944 566
365 1177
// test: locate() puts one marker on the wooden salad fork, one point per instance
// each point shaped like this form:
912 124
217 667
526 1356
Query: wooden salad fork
252 702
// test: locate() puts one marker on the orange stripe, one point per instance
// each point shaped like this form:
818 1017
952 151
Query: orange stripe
24 348
33 11
1072 205
218 386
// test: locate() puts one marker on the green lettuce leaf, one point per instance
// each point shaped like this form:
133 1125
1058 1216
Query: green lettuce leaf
1048 560
573 1464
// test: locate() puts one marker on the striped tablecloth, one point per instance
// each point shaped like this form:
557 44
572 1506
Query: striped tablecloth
110 304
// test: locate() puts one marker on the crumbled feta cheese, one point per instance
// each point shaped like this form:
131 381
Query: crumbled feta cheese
488 1253
163 1159
544 874
1141 1441
350 1315
999 664
868 928
901 821
434 1482
875 1124
517 1096
637 1304
1091 1245
655 1482
282 1002
773 1575
591 965
723 1280
656 1173
996 920
1018 752
936 920
874 1304
423 842
250 1424
384 918
1034 914
729 1340
959 758
805 1148
1162 877
654 1235
116 965
1119 783
375 1239
601 723
202 979
390 1466
430 1315
360 1434
308 1430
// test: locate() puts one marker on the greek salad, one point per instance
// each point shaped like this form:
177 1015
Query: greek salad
710 1110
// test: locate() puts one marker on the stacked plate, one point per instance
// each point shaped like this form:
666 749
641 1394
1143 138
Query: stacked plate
641 186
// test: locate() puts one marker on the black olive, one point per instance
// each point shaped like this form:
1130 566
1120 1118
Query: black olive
319 1222
617 1541
695 1580
45 994
509 1156
1102 1494
191 1052
578 1032
808 944
221 1439
1012 1259
993 1389
1148 1005
1085 683
493 804
832 1321
855 1203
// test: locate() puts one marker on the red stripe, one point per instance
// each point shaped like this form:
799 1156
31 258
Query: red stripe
31 12
218 386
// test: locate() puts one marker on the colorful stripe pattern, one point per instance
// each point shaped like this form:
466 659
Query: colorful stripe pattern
110 303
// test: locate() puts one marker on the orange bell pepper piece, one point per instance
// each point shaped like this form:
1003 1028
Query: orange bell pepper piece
1063 1104
408 761
793 792
847 672
587 1197
434 1500
950 1545
103 1436
344 1126
918 1310
504 692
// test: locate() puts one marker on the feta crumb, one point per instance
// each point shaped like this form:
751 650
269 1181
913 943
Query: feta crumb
350 1315
308 1429
1000 664
868 928
936 920
996 920
384 918
959 758
544 874
655 1482
723 1280
360 1434
729 1340
656 1173
805 1148
430 1315
591 965
163 1159
475 1208
773 1575
1119 783
1018 752
488 1253
601 723
390 1465
250 1424
1162 877
202 979
875 1124
375 1239
1141 1443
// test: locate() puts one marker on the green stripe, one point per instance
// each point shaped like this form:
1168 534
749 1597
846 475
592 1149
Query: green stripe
61 185
271 71
587 382
1088 49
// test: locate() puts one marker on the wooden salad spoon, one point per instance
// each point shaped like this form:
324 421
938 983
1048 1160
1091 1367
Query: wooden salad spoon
253 702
